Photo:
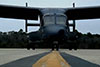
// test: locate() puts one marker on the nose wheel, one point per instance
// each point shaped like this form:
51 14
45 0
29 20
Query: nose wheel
55 47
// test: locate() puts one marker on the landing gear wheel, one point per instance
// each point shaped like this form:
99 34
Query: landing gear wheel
57 47
75 48
52 48
70 48
28 48
33 48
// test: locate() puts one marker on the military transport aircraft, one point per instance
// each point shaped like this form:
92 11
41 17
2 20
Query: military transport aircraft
54 22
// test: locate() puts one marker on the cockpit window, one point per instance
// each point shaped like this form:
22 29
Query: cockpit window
60 19
49 19
54 19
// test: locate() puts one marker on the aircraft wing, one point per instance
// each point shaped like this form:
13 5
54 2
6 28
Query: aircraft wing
83 13
19 12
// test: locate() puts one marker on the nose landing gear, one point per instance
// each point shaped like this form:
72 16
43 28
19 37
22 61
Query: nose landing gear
55 45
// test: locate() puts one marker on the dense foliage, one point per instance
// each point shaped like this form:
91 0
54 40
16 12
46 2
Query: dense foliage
19 39
13 39
89 41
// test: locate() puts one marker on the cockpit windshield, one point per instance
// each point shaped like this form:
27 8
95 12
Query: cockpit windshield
54 19
49 19
60 19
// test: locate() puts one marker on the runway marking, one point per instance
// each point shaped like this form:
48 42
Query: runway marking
53 59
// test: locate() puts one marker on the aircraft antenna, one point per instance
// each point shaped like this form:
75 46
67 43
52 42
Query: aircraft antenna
26 20
73 20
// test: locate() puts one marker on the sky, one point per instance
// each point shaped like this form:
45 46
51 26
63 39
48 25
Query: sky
84 26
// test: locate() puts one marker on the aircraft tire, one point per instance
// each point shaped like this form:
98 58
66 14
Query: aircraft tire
57 47
70 48
33 48
28 48
75 48
52 48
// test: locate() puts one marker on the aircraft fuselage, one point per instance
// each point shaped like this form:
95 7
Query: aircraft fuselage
53 27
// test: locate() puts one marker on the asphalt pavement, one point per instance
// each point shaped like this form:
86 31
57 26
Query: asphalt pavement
25 62
76 61
26 58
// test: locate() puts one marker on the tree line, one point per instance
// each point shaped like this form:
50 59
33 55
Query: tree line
13 39
19 39
88 41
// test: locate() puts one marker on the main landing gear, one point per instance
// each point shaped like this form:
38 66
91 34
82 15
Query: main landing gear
31 46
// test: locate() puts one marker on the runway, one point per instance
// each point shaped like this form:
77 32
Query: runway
26 58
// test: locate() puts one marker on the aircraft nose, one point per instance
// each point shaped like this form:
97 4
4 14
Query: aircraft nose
55 31
61 32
